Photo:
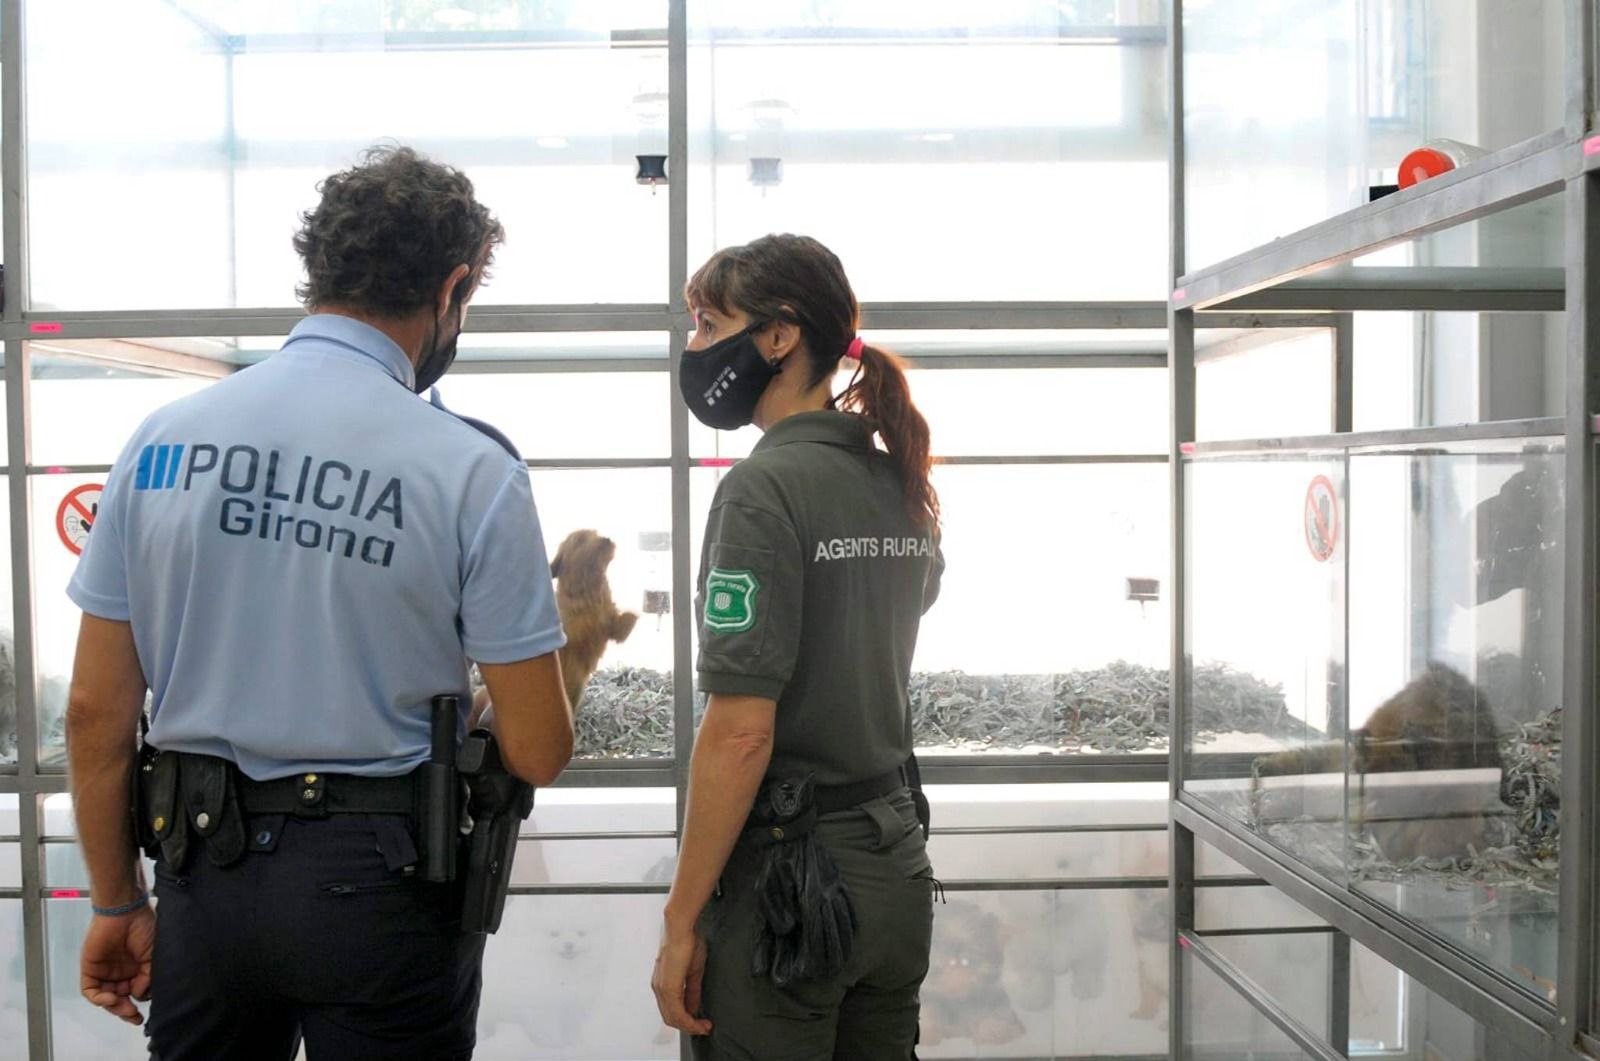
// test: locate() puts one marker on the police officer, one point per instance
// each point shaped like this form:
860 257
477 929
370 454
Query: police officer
295 561
799 921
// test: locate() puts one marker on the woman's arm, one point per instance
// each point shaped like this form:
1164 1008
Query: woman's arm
731 754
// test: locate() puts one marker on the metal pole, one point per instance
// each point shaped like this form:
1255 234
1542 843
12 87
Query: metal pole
677 275
1181 384
1339 992
1344 372
14 218
1575 941
14 157
1580 61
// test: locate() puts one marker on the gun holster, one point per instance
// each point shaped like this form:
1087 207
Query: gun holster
497 803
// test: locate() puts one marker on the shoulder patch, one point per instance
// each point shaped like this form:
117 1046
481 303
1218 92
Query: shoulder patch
730 601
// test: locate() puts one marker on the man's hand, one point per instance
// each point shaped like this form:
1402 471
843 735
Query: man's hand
680 969
115 968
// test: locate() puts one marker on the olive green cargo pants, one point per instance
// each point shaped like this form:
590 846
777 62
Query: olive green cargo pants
868 1012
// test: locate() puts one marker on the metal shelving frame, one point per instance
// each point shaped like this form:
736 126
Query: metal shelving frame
1302 272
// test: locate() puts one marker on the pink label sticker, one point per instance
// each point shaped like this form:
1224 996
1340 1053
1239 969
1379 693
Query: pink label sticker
1183 941
66 893
1591 146
45 328
1186 447
714 462
1178 293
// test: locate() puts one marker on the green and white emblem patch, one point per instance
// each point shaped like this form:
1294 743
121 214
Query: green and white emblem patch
730 601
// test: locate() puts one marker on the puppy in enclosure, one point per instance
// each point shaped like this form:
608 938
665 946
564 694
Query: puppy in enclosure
588 614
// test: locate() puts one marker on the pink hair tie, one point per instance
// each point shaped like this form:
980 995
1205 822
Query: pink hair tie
853 351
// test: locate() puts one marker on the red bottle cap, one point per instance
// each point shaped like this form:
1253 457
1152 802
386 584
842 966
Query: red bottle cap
1423 163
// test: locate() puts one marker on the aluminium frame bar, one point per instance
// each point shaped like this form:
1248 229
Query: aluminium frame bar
1531 170
1487 431
14 237
1468 289
1181 401
1576 895
23 323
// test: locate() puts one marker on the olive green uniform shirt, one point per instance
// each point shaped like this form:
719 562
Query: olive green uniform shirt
813 582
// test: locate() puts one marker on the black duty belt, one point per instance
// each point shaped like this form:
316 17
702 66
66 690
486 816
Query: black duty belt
831 799
313 795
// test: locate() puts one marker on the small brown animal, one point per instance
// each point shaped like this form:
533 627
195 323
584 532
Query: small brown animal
589 615
1439 721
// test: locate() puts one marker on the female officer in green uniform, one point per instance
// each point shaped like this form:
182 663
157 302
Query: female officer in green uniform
800 918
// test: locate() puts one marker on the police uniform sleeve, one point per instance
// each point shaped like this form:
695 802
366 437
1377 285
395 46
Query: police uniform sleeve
99 586
508 603
749 601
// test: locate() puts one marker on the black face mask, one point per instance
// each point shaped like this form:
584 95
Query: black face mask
436 361
722 383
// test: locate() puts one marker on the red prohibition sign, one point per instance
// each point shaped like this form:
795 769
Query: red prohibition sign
1322 518
76 516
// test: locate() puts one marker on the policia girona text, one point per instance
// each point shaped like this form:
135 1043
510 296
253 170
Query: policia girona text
254 481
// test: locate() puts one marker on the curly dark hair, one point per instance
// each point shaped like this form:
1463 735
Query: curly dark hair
389 231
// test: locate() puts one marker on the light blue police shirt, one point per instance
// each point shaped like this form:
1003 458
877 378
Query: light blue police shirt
308 553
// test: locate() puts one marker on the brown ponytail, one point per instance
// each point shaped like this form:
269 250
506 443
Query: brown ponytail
797 279
881 392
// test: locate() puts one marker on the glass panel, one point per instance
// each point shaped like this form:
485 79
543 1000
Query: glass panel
229 129
5 434
566 978
1265 959
627 708
1219 1024
1035 856
13 984
8 673
58 533
987 412
66 875
144 219
1034 804
569 415
78 1029
1082 664
581 809
1427 1025
1232 907
1072 115
1082 668
1265 383
1266 587
1429 369
493 347
1356 85
1046 975
1209 862
1455 694
85 410
10 865
595 862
